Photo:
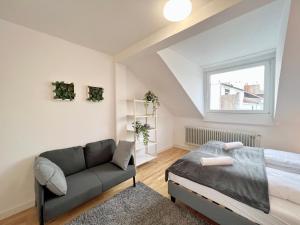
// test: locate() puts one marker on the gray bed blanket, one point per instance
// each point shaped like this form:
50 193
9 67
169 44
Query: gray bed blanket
245 180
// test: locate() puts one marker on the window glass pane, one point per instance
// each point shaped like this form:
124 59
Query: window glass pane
241 89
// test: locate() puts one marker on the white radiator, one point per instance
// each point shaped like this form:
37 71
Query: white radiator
200 135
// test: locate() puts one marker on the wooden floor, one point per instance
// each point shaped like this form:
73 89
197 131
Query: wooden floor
151 174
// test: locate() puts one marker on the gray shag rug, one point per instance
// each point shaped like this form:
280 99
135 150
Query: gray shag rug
138 205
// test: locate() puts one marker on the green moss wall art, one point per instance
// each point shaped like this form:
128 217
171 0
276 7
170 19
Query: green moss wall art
64 91
95 94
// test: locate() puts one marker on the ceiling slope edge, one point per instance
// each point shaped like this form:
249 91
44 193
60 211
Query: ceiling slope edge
208 16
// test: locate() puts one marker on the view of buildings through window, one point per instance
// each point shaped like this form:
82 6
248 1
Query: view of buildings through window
241 89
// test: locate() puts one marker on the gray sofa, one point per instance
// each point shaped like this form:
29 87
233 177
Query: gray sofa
88 171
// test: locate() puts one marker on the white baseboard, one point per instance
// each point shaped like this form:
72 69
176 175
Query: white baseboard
19 208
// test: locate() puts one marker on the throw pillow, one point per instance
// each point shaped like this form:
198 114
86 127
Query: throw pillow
49 174
122 154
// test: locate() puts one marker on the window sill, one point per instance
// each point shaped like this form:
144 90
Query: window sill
258 119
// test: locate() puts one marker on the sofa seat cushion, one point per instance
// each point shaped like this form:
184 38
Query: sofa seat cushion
111 175
82 186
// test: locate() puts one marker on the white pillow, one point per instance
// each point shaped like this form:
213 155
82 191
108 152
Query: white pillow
232 145
49 174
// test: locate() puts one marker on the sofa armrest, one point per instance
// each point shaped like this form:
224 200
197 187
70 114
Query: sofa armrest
131 161
40 200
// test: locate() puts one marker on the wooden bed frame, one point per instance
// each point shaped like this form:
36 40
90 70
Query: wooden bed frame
205 206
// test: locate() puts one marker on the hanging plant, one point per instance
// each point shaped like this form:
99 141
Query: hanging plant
150 97
143 129
64 91
95 94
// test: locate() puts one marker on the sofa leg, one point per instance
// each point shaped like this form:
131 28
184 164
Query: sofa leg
134 181
41 215
173 199
41 221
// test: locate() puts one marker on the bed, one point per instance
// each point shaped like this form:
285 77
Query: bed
284 195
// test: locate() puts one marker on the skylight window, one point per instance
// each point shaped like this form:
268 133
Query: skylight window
243 88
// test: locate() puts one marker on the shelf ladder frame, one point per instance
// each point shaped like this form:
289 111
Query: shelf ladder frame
135 118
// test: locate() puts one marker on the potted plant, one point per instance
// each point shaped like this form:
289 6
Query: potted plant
150 97
143 129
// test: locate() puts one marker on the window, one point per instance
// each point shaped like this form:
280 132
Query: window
244 88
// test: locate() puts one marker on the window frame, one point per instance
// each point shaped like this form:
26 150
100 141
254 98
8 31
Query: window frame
268 60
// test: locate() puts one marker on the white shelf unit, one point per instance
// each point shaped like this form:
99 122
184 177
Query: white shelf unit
141 152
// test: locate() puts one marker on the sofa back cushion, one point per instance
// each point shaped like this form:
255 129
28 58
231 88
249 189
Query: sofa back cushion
70 160
99 152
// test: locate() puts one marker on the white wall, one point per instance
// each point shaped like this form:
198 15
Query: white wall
129 87
30 120
188 74
121 101
280 47
279 136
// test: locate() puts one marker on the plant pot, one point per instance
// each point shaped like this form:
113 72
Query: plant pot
140 138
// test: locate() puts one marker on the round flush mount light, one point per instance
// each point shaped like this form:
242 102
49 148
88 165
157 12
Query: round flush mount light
177 10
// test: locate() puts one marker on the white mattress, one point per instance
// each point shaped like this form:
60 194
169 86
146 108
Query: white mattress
284 185
282 212
286 161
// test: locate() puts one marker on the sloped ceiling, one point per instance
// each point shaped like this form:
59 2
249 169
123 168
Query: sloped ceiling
152 71
104 25
255 32
289 94
250 33
188 75
161 78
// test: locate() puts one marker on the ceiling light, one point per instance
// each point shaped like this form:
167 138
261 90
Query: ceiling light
177 10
